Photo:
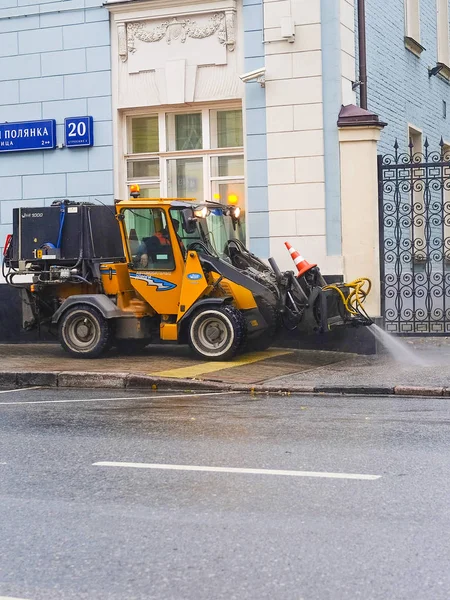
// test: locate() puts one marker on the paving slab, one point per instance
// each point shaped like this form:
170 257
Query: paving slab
426 371
161 361
429 368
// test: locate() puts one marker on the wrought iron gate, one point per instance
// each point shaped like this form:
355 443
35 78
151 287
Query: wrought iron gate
414 205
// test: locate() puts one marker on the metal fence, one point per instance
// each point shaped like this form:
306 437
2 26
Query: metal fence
414 217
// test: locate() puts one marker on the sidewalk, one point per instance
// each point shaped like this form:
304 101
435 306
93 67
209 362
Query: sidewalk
276 369
429 373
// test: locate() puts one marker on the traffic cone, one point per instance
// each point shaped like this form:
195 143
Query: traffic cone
302 264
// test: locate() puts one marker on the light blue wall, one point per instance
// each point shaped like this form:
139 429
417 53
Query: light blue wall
255 129
331 78
55 63
399 89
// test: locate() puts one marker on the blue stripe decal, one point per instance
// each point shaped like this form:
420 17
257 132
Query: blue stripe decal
108 271
161 284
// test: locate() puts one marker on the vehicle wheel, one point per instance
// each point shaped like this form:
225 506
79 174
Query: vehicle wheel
84 332
265 339
216 333
131 346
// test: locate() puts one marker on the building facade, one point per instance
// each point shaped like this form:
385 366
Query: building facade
55 63
408 62
401 87
265 142
236 100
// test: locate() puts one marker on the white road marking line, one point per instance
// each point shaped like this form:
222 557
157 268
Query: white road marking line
155 395
237 470
10 598
35 387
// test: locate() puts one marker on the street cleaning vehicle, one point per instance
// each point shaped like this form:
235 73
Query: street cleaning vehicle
170 270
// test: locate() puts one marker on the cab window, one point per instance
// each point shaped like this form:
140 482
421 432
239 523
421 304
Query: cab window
148 238
183 236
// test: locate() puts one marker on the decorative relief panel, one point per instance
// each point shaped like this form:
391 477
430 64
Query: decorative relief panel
122 41
220 25
178 59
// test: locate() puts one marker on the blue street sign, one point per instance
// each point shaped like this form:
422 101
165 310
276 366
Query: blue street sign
79 131
28 135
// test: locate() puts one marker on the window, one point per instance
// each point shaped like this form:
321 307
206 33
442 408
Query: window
144 135
443 41
185 178
227 180
415 140
184 132
192 154
412 26
226 128
148 239
143 166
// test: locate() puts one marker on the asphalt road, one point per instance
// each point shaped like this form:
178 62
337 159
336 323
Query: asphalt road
71 529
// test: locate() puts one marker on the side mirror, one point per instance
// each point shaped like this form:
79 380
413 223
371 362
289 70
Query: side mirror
236 221
188 221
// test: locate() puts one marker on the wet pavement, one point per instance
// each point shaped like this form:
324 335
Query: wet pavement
72 529
429 365
169 361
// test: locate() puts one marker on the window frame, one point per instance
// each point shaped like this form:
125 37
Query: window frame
164 155
443 33
156 268
171 117
412 26
214 130
129 134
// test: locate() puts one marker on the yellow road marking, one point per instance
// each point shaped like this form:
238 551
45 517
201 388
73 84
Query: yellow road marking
210 367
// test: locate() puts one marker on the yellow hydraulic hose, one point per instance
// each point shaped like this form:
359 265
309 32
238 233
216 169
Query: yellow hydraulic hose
359 289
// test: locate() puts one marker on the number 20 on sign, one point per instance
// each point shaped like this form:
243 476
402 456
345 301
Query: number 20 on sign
79 131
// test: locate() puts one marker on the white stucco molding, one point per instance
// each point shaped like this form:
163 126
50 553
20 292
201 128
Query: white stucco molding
170 22
360 134
122 41
177 29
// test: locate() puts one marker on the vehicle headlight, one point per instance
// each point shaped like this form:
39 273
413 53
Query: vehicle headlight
201 213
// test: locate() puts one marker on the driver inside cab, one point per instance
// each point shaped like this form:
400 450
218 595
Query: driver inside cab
160 241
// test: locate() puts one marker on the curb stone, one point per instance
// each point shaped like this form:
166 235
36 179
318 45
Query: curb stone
8 379
411 390
375 390
38 378
91 380
133 381
85 379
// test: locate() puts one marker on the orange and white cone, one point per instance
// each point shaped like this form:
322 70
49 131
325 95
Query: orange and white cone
301 263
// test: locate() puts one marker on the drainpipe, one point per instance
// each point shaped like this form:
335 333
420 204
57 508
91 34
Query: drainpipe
362 53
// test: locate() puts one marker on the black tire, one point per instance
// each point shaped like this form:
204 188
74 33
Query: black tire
265 339
216 333
131 346
84 332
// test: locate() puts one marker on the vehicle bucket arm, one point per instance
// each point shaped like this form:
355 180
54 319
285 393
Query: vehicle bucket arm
236 276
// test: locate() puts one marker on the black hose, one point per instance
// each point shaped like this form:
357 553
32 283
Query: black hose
275 269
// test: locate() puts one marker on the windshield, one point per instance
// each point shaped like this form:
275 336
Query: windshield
213 231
